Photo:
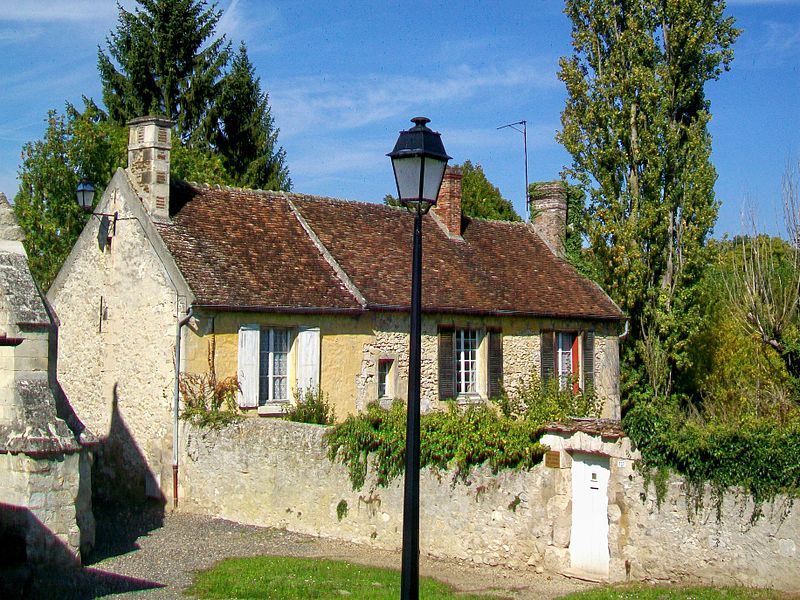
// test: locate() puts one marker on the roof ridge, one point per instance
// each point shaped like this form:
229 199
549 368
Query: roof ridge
329 258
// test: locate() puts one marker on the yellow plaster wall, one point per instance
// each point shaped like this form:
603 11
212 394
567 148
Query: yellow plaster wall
342 337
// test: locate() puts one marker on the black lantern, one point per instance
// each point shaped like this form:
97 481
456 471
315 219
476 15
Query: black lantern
85 194
419 161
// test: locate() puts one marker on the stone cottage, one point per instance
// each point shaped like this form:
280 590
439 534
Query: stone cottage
291 292
45 495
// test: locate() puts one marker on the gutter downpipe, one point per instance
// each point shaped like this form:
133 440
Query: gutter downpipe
175 400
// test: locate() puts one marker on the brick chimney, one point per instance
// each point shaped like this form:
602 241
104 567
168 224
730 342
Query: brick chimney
448 205
549 213
149 145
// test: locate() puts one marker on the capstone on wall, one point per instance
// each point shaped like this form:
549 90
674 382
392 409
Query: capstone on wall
276 473
117 309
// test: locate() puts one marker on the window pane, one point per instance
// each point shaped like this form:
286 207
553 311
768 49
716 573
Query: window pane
279 389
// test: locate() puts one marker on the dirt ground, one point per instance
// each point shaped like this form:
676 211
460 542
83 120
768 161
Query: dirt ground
150 555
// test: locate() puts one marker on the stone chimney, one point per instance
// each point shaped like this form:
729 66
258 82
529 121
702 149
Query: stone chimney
549 213
149 145
448 205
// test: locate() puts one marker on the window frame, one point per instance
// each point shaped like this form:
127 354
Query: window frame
465 359
269 376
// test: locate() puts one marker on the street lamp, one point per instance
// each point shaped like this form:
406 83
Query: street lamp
419 161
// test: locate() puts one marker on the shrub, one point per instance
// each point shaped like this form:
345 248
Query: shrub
313 408
209 401
458 438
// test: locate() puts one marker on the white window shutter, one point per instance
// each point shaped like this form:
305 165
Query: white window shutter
308 351
249 336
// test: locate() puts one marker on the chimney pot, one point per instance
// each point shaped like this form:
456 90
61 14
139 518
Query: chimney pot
549 200
448 204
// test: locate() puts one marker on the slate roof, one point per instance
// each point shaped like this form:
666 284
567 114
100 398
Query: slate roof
248 249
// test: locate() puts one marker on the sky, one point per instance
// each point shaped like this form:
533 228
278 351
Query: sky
345 77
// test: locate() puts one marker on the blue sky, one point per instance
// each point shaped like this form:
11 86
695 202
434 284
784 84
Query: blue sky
345 77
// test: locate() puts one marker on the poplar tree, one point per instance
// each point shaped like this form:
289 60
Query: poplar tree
636 124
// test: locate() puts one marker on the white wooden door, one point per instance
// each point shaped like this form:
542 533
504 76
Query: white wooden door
588 544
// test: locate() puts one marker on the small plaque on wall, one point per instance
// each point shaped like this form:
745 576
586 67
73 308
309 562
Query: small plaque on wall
552 459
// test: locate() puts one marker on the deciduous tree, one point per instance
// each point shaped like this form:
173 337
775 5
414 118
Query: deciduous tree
635 123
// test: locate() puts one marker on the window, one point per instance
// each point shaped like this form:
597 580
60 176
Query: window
384 370
466 361
268 357
470 362
273 366
569 357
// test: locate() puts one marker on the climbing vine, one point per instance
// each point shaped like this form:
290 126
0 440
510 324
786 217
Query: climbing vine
754 454
503 435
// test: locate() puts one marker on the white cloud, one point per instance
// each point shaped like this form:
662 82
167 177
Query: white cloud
331 104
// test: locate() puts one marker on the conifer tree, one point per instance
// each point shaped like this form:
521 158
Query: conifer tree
164 59
243 130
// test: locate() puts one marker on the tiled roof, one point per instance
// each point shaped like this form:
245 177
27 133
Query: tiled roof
243 248
605 428
248 248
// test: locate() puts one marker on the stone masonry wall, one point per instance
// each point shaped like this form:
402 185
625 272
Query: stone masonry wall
116 352
55 499
521 356
275 473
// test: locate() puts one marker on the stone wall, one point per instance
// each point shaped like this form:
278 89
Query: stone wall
48 502
275 473
521 356
117 306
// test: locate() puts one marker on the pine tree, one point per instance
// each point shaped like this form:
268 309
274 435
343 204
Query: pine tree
244 132
164 59
635 123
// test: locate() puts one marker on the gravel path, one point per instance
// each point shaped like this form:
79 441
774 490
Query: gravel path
144 555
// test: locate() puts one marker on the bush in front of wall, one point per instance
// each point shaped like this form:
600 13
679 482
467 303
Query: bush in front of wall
207 400
313 407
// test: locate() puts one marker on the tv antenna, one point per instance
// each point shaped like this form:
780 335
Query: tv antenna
524 132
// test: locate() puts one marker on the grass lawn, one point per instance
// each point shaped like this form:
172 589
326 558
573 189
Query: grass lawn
645 592
283 578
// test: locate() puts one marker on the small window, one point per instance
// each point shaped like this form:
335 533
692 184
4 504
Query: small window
384 369
568 360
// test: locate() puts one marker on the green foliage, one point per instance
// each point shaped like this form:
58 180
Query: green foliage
754 453
163 59
341 509
303 578
209 402
75 146
458 438
479 197
313 407
243 130
635 123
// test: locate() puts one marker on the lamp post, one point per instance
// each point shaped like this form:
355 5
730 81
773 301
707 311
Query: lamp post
419 161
